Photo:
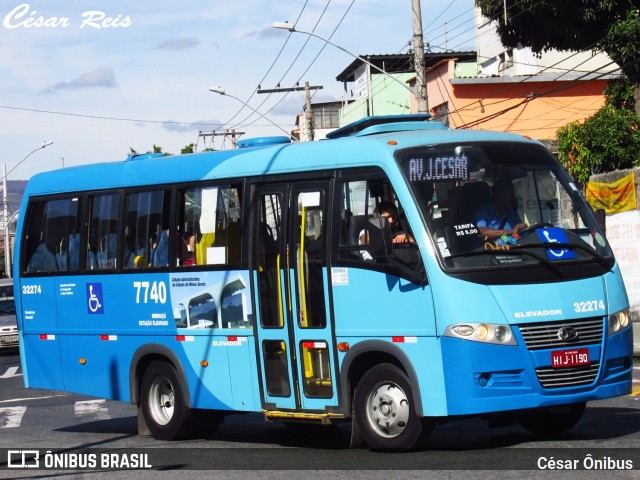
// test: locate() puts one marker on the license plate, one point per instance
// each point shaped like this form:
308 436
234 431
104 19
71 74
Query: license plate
9 339
569 358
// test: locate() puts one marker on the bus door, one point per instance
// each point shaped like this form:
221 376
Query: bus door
290 273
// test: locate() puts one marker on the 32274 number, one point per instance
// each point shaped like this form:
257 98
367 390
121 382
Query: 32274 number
589 306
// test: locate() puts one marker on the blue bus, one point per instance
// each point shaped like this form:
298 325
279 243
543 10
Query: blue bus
355 279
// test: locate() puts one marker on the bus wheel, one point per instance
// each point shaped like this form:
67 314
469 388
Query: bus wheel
384 411
162 402
552 420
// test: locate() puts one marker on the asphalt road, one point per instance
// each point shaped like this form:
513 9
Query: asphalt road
246 446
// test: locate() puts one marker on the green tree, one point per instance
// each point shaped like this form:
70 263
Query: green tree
612 26
608 140
188 148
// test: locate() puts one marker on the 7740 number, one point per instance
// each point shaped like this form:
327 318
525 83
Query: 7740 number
147 292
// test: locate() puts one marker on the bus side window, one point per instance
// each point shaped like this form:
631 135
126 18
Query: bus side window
146 242
51 226
102 243
210 223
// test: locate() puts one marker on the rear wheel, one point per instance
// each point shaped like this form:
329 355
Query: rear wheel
162 403
552 420
384 410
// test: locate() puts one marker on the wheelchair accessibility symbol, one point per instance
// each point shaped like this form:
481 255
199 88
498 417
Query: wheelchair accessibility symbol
555 235
95 303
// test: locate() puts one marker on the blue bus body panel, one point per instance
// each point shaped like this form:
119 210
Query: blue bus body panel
90 352
513 383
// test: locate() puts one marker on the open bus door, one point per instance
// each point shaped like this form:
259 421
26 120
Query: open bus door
294 331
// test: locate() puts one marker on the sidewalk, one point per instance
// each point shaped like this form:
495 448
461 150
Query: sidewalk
636 339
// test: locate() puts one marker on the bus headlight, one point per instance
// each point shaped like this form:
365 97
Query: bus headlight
482 332
618 321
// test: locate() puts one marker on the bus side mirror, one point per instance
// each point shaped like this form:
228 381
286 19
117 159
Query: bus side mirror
379 237
601 217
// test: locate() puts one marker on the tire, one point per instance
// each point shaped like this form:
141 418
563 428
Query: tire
384 411
162 403
552 420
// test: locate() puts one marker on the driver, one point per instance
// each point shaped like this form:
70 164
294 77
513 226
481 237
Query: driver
499 216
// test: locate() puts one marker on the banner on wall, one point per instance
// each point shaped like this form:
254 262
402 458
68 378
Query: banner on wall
615 197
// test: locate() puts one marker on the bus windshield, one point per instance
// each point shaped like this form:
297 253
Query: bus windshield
492 204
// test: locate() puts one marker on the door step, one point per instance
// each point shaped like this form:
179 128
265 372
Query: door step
303 417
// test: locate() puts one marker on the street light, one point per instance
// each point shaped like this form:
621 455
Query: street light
221 91
5 213
292 28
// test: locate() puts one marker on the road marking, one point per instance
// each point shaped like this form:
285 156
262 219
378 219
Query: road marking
93 409
12 400
11 372
11 417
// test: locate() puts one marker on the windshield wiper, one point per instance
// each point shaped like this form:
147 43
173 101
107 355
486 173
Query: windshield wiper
567 246
544 261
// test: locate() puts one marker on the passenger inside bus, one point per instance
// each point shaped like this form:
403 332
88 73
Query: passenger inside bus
499 216
387 210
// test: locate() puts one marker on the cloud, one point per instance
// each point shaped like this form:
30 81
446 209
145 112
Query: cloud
266 33
183 43
207 125
102 78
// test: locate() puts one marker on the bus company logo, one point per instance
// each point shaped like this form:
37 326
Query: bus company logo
23 459
568 334
95 303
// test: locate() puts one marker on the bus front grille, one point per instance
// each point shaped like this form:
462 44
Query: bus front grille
568 377
538 336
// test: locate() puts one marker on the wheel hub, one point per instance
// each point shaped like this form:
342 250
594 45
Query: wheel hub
388 410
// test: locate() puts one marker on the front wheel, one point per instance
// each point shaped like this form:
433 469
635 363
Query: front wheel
552 420
384 410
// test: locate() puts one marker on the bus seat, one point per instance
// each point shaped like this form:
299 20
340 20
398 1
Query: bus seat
356 225
160 255
92 261
42 260
463 202
107 251
70 246
206 241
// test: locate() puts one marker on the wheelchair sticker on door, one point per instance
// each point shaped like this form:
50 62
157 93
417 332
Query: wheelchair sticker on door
555 235
95 303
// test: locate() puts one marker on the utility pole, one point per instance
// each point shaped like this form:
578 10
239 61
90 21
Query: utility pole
5 220
418 57
308 114
227 134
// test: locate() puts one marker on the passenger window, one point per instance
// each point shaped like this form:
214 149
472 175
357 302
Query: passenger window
210 226
102 245
53 239
373 229
146 231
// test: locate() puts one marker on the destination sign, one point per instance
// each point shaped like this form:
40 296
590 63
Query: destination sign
438 168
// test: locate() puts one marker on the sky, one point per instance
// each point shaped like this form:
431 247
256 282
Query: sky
99 78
